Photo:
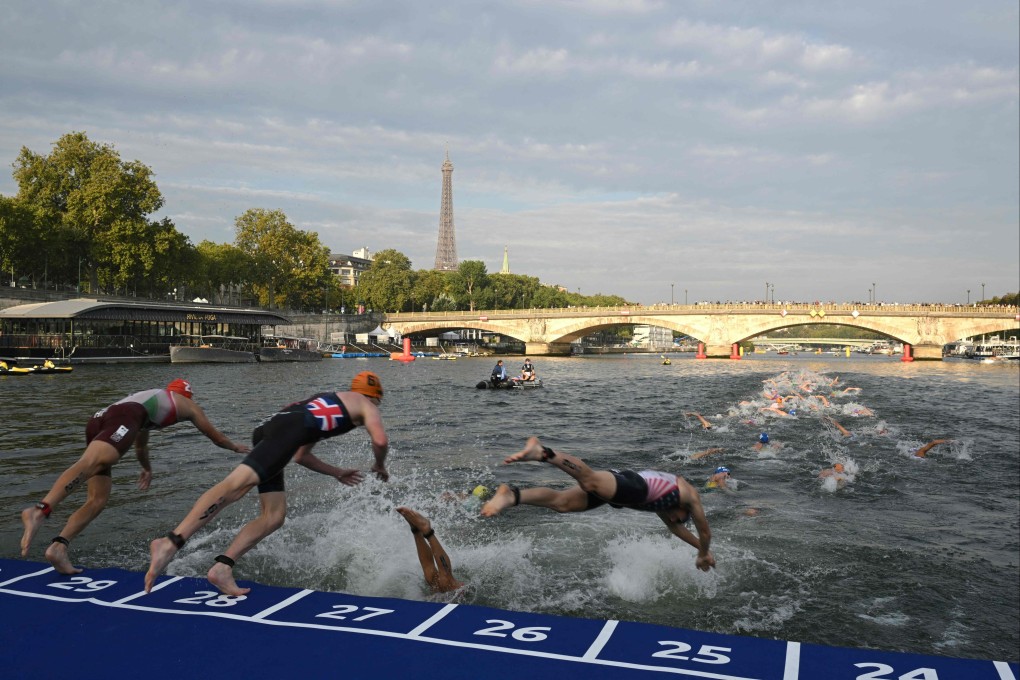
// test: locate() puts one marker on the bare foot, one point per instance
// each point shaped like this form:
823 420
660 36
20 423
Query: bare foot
532 451
503 499
32 518
57 556
222 576
161 551
416 519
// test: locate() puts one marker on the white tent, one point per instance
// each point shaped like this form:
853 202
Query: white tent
379 333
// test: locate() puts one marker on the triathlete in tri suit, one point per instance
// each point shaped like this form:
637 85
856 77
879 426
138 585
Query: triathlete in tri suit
669 496
288 434
108 436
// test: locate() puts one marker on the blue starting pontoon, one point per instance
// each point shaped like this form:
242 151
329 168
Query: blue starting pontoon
101 624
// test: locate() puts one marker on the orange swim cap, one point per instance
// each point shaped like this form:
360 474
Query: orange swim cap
181 387
838 467
367 383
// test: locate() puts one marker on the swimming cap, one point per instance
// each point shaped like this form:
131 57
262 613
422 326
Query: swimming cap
722 468
480 491
838 467
793 411
764 437
367 383
181 387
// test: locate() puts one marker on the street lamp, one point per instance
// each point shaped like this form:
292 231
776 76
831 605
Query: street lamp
685 296
773 286
766 292
968 296
982 292
671 293
874 293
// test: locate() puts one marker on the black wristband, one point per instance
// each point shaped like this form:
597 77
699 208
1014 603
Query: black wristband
61 540
548 453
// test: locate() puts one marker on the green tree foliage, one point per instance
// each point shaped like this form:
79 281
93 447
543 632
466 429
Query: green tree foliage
19 237
86 191
468 283
431 285
220 268
287 265
387 286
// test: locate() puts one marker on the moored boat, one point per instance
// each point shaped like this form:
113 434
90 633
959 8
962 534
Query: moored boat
282 348
212 349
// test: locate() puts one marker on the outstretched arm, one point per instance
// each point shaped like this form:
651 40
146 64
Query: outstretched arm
142 452
380 442
920 453
707 452
306 458
193 412
704 422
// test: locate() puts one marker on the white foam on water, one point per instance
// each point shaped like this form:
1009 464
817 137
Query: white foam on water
647 568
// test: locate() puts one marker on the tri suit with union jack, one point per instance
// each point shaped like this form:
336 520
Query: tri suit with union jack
304 422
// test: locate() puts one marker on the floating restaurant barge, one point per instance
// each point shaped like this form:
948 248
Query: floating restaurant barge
99 331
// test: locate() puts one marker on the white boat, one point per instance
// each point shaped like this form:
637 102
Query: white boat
212 349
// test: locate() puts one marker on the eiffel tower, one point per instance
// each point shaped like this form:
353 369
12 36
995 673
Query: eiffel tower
446 249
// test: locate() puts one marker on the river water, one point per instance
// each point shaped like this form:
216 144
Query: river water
913 554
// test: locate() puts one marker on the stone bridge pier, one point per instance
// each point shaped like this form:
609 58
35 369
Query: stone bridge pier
539 349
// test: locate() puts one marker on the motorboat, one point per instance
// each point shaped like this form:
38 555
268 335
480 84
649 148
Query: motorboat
283 348
514 383
212 349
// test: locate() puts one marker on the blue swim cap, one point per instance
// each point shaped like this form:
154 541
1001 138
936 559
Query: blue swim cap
793 411
764 437
721 468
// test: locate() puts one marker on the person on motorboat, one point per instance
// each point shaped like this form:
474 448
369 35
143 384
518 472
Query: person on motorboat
528 371
499 374
109 434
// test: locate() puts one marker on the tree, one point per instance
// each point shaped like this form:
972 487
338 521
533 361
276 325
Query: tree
287 263
17 236
387 285
429 286
86 189
471 278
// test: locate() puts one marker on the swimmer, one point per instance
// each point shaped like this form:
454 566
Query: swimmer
109 435
288 435
704 423
669 496
719 479
471 501
923 451
836 470
775 408
837 473
763 441
435 563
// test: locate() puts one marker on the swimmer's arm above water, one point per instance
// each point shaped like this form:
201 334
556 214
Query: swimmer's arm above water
306 458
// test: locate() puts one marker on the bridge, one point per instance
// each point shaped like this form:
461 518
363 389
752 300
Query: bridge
923 329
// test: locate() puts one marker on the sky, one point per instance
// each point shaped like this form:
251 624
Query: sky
663 151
